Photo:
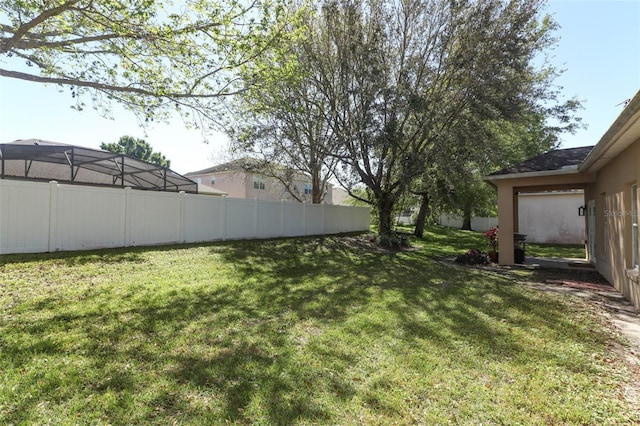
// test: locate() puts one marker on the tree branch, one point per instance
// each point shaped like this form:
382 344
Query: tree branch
26 27
110 87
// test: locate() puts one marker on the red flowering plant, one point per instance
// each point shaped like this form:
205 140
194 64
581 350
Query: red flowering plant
492 236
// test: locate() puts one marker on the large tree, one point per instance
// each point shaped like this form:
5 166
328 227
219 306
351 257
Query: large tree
283 116
496 144
137 148
399 76
151 56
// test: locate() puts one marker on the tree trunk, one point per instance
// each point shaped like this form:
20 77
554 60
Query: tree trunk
385 216
466 217
422 216
316 187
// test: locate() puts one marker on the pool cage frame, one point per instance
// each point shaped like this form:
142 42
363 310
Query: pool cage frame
39 160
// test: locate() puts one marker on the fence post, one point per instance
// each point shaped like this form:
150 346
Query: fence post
183 221
304 218
53 215
127 216
255 217
223 218
324 219
282 208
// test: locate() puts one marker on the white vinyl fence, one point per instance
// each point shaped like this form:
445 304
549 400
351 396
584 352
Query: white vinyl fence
40 217
477 223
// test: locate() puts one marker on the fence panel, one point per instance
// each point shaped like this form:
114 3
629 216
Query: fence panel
39 217
314 219
203 218
24 217
336 219
477 223
240 218
294 219
270 219
89 218
153 218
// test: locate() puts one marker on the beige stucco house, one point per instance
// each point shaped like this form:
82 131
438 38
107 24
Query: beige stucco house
547 217
552 217
234 179
609 174
340 196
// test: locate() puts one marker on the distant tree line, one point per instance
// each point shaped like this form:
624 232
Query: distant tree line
136 148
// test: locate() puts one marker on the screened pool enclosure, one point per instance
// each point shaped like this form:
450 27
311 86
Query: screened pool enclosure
39 160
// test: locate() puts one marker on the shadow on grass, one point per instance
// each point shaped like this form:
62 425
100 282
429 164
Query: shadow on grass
71 258
459 303
238 347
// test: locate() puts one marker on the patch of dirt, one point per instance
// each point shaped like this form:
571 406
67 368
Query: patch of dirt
365 243
630 390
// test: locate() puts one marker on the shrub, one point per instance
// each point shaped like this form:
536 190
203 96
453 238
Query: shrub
474 257
394 240
492 236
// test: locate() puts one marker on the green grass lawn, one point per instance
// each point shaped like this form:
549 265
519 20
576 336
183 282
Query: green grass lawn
297 331
443 241
556 250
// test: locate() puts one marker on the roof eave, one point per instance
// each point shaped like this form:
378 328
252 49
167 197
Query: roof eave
568 171
623 132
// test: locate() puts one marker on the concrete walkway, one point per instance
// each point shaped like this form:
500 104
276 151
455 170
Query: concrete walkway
557 263
621 313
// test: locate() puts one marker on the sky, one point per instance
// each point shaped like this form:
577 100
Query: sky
598 47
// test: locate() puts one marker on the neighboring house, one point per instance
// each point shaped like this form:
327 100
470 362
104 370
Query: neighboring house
209 190
341 196
233 179
609 174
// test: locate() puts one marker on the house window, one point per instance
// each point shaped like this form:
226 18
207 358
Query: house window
634 226
197 180
308 189
258 182
213 180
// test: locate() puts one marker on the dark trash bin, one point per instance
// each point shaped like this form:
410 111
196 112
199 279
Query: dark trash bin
519 247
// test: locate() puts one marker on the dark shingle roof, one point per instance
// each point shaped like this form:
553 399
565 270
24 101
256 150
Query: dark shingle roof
556 159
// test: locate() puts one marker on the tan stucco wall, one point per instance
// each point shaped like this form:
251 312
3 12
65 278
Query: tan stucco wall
274 190
340 196
612 195
551 217
508 190
233 183
240 185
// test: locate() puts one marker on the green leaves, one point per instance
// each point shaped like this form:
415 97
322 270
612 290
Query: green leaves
139 52
136 148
